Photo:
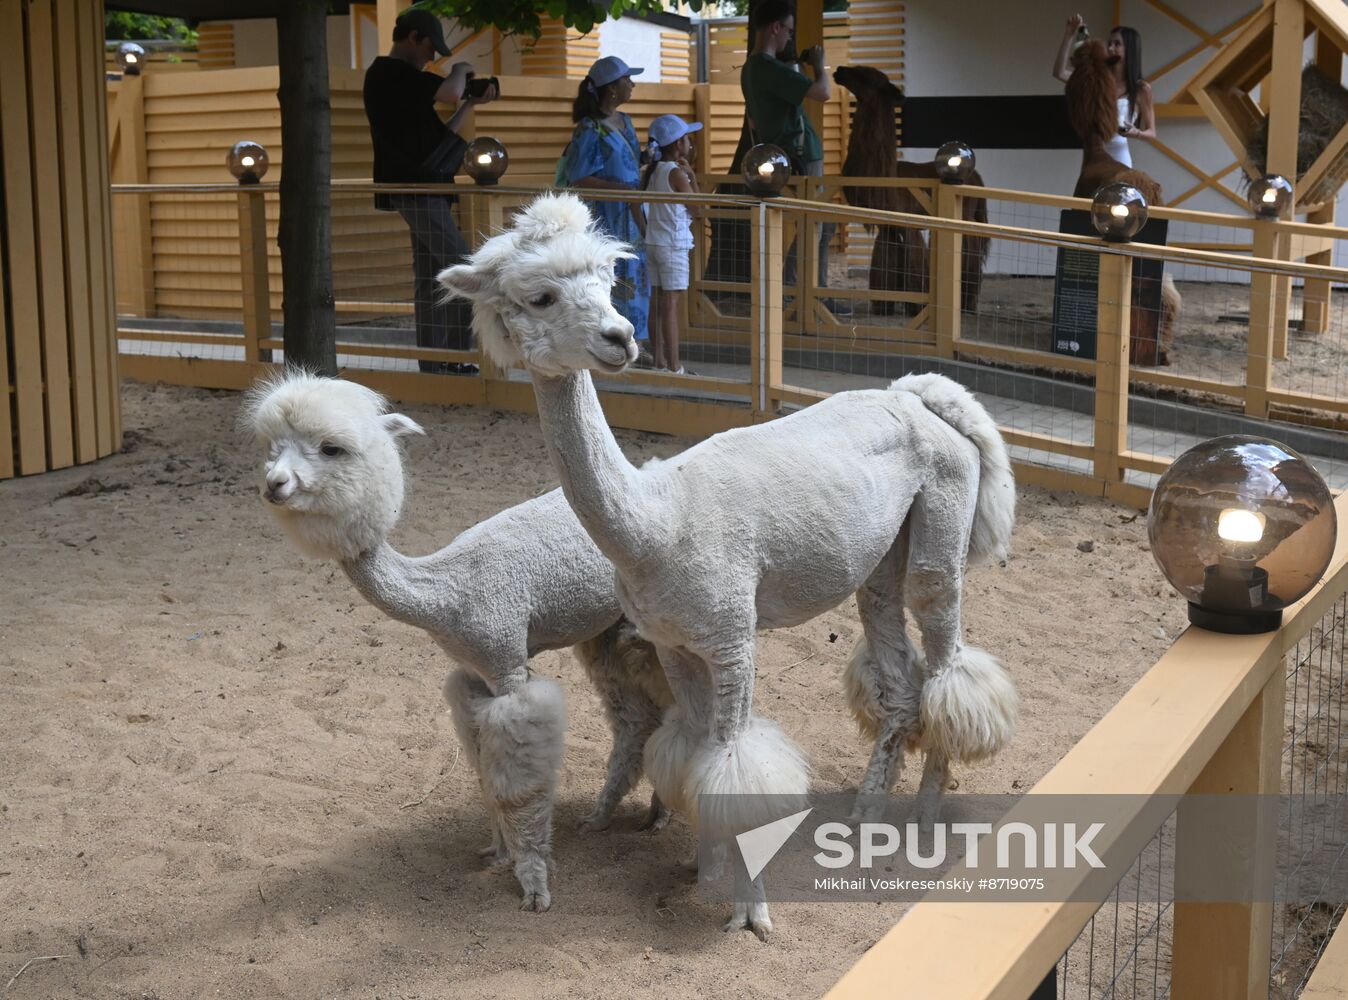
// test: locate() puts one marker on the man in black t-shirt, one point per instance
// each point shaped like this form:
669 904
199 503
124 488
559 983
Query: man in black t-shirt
400 98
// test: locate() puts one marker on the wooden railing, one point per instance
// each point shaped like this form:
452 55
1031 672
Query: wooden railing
773 320
1207 719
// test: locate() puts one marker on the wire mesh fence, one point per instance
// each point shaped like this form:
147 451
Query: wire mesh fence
1011 312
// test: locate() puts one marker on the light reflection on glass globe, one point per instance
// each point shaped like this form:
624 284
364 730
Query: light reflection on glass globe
1271 196
1241 527
130 58
486 160
954 162
766 170
247 160
1118 211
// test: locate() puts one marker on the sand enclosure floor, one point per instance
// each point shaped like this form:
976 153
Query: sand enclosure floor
222 773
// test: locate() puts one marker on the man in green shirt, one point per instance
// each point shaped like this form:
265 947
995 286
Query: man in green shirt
774 91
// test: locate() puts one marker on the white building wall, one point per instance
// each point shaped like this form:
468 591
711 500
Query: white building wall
635 42
988 47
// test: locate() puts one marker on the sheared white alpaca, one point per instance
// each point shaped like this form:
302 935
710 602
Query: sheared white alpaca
527 580
884 493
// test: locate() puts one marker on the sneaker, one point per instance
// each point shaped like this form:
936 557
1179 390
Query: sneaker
838 307
461 368
682 370
644 359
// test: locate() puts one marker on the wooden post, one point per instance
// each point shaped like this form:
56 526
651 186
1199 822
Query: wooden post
485 217
702 114
253 271
1222 949
947 248
1113 317
810 31
1263 316
135 256
1284 113
1315 291
386 13
765 283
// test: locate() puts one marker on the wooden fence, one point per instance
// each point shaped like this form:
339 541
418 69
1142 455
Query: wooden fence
772 320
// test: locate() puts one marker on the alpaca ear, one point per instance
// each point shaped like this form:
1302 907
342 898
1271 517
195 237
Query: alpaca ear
463 281
399 426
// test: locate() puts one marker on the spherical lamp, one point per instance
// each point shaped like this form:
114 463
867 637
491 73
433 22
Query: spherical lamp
486 160
130 57
1271 196
954 162
1118 211
1241 527
247 161
766 170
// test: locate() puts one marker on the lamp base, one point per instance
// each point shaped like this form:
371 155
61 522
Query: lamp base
1241 623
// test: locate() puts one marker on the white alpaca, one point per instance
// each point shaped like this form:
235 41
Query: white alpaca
881 493
527 580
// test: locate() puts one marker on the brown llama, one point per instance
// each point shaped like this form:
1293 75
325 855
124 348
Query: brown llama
1093 111
899 262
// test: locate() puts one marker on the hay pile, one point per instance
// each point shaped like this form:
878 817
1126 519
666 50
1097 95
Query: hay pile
1324 110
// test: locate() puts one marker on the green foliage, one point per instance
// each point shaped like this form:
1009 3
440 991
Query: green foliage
522 17
120 26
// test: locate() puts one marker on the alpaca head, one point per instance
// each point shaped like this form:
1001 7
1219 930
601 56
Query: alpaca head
333 477
1091 106
867 83
541 292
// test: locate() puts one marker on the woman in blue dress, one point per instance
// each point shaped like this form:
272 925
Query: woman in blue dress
605 154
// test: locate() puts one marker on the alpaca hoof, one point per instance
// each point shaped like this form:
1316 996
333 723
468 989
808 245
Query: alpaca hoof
595 822
657 818
535 902
751 917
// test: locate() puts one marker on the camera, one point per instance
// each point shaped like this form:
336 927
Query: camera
477 86
1123 129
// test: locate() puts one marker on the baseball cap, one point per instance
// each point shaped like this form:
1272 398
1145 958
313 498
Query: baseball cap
671 128
611 68
425 24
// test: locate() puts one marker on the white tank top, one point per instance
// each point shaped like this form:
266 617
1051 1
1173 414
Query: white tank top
668 223
1117 147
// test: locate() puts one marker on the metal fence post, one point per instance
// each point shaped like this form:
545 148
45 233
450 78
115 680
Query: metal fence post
946 271
1114 318
1223 949
253 271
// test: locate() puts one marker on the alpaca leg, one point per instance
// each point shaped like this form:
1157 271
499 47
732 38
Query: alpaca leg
968 700
625 671
520 745
464 690
669 751
884 679
935 776
750 909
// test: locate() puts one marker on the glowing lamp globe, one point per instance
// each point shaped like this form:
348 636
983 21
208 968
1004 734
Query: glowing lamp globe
1271 196
766 170
247 160
130 57
1241 527
486 160
1118 211
954 162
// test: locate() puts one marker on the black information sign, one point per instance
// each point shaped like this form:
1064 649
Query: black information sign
1076 290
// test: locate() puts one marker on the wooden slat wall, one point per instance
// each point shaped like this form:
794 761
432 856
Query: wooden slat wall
215 44
560 51
676 57
57 339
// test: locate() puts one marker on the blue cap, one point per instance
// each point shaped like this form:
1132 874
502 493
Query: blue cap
611 68
669 129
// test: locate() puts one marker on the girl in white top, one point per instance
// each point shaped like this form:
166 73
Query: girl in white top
669 234
1137 118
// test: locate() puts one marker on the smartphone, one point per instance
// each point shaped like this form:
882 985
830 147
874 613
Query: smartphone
477 86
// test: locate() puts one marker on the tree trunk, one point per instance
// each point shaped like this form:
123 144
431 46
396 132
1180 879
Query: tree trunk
305 234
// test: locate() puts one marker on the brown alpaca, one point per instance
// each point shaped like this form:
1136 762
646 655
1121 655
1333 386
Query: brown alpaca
899 262
1093 112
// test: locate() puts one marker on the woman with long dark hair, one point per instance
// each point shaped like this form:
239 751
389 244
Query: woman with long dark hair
605 154
1137 116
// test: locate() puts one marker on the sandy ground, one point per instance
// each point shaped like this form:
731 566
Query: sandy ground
223 774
